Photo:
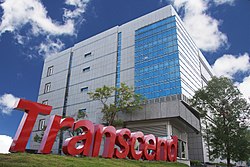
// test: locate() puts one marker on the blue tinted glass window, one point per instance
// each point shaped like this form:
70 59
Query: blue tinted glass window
157 71
118 66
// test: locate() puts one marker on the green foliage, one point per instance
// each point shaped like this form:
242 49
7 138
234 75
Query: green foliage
221 164
195 163
38 138
125 101
118 122
81 115
33 160
224 113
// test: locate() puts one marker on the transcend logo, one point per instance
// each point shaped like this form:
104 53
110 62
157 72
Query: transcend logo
150 148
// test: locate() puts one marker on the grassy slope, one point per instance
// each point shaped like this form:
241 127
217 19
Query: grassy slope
36 160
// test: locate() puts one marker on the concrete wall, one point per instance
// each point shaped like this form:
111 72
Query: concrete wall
55 96
102 63
166 107
195 146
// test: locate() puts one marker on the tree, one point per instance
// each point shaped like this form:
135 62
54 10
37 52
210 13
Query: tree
38 137
125 100
224 113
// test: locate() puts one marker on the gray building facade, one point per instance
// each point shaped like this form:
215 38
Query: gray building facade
154 54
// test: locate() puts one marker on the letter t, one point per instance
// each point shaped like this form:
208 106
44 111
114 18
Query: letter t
31 109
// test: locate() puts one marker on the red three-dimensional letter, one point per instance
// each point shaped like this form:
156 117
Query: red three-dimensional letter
55 124
172 148
70 143
149 145
110 134
121 136
95 147
161 152
26 125
135 154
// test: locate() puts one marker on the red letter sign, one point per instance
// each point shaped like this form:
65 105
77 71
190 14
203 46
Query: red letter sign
121 136
161 152
55 124
87 137
31 110
109 144
172 149
135 154
149 147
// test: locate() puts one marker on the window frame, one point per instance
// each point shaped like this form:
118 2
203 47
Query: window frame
87 54
41 124
47 87
86 69
82 110
45 102
50 71
84 89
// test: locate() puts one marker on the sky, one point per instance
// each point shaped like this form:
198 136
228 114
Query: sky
31 30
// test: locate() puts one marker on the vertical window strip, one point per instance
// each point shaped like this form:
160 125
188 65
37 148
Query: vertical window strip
118 65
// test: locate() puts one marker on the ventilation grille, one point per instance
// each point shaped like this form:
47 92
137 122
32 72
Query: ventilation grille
158 131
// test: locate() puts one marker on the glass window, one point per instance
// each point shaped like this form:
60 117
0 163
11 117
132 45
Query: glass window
41 124
84 89
47 87
82 110
88 54
50 71
45 102
86 69
155 50
118 66
182 149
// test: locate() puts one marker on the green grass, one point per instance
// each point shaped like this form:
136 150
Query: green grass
36 160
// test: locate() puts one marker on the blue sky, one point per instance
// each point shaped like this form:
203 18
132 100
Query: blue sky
30 30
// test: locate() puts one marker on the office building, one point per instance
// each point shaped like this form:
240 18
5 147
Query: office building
154 54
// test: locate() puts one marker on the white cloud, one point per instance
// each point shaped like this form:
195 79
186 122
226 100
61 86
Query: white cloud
16 14
228 65
50 47
7 103
202 27
79 8
5 142
220 2
244 87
